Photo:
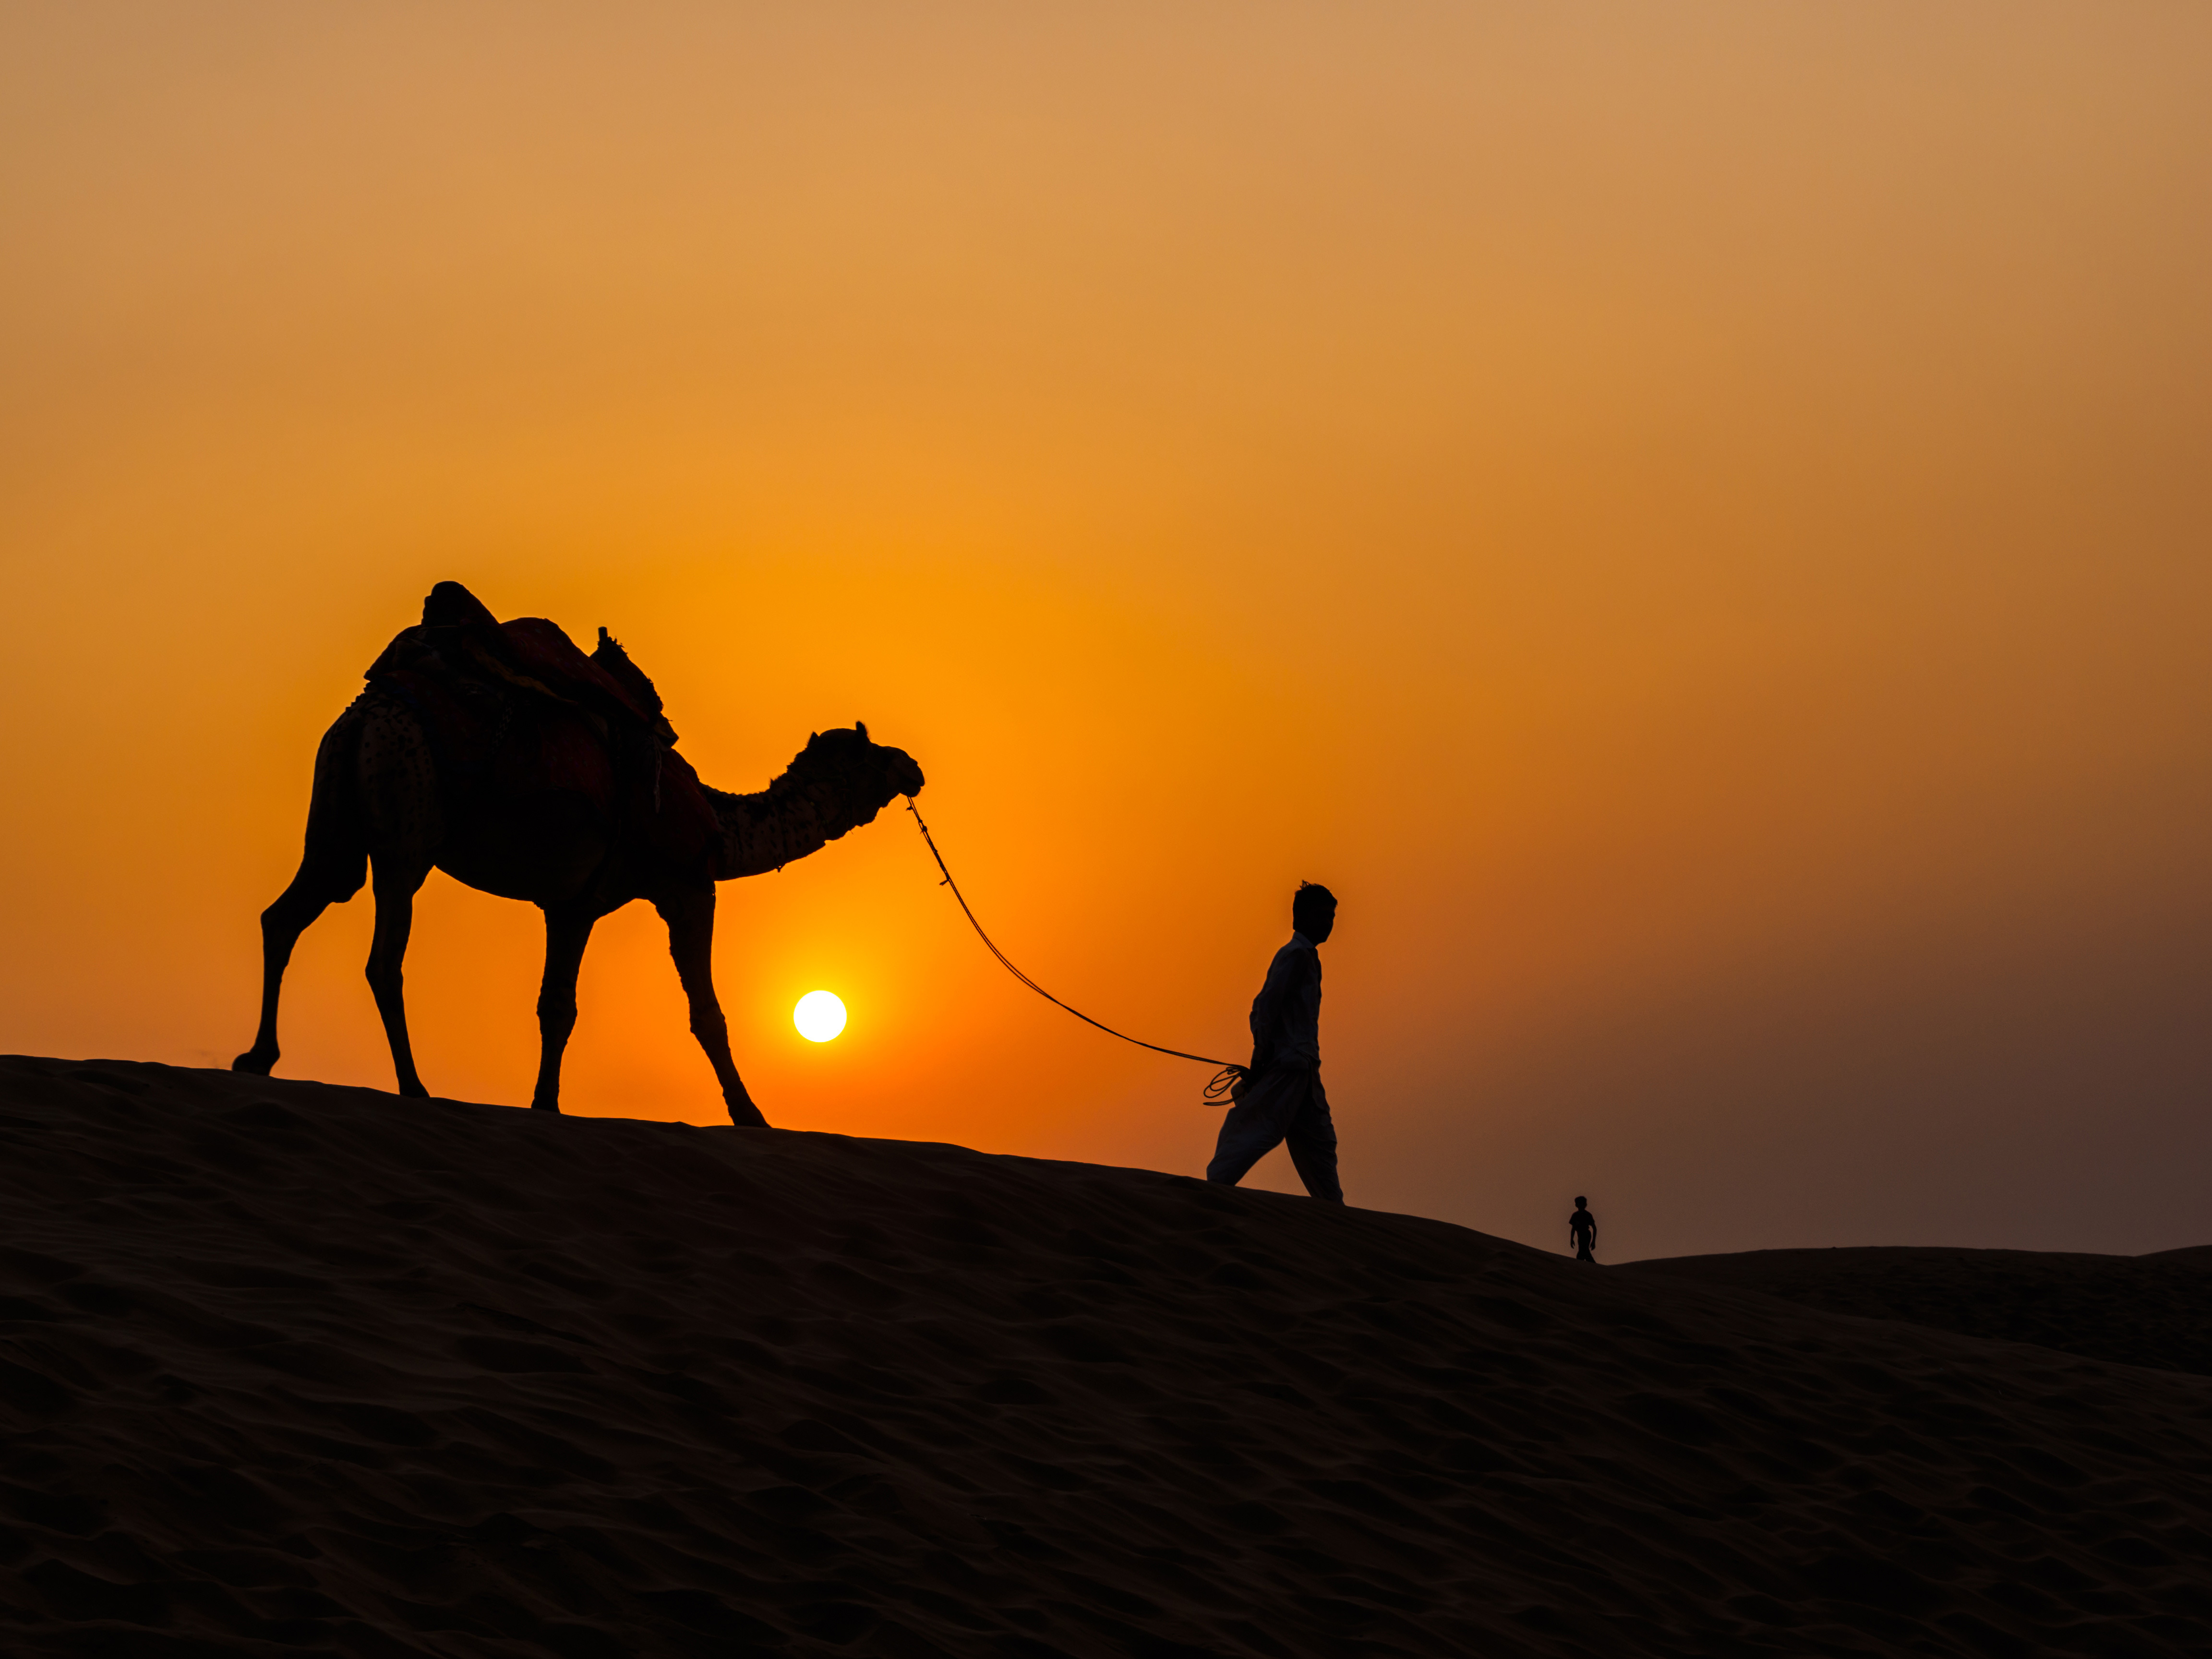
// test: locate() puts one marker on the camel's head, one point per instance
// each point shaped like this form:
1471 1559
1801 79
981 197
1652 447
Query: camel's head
878 775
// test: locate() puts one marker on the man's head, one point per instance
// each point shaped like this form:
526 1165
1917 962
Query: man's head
1313 911
1581 1203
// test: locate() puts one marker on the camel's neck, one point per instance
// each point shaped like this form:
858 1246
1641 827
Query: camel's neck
808 807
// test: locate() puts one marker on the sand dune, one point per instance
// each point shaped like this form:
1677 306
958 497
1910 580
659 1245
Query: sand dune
2136 1311
292 1369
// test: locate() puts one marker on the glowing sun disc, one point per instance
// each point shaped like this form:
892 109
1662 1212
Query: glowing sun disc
819 1015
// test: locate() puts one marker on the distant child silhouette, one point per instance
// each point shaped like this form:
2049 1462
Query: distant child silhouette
1280 1098
1581 1227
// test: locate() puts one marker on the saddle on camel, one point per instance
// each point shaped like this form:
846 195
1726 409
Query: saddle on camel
501 754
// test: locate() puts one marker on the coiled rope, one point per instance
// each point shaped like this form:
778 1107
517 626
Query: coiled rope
1217 1092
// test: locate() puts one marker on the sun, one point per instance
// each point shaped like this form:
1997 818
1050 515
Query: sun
819 1015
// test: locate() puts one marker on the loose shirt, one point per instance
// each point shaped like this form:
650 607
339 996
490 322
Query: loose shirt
1286 1014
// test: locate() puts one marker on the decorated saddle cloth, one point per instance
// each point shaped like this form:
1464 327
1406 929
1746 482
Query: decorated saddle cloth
517 709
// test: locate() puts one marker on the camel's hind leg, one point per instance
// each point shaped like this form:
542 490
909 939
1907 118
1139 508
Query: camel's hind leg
396 881
399 806
319 885
330 872
691 918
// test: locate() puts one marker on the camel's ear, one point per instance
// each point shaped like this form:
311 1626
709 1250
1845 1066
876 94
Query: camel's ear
861 726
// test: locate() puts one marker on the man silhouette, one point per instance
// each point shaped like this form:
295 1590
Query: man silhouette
1279 1097
1581 1227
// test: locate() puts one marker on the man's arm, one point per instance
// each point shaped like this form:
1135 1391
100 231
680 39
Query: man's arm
1284 974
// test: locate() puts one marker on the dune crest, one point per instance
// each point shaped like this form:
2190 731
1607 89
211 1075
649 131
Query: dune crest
2154 1310
290 1369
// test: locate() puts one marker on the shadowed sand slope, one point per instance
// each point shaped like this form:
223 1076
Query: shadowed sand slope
286 1368
2137 1310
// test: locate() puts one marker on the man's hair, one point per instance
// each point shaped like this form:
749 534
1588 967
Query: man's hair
1310 899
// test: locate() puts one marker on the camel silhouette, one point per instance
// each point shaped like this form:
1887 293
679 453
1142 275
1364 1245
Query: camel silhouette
504 756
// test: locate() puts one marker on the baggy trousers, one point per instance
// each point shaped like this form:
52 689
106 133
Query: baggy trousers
1286 1105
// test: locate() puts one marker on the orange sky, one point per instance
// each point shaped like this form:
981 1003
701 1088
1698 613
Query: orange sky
1693 521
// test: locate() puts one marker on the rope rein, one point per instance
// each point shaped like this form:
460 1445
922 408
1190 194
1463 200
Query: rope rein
1217 1091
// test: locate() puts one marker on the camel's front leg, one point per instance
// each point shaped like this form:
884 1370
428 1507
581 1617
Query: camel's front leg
691 918
566 934
395 883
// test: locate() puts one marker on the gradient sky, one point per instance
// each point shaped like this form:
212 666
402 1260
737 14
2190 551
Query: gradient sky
1693 519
